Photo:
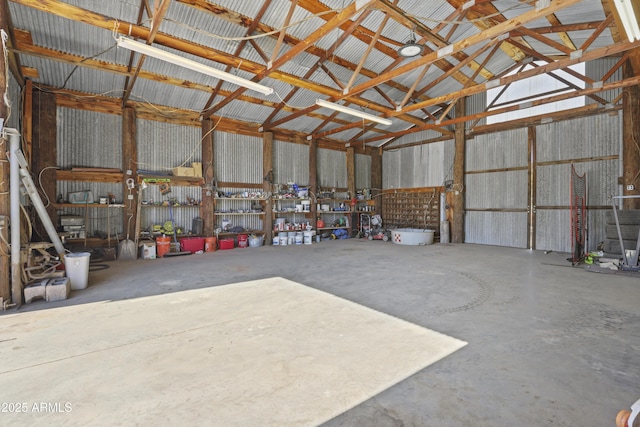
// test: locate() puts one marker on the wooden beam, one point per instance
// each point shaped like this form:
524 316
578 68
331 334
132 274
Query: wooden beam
489 33
45 148
351 171
343 16
631 141
459 161
313 180
267 184
376 178
560 64
5 201
130 219
207 206
532 174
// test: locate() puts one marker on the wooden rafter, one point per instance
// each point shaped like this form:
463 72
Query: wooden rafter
160 9
240 48
561 97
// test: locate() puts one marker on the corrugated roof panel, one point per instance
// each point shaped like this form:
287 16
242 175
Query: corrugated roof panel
62 34
169 95
238 110
203 28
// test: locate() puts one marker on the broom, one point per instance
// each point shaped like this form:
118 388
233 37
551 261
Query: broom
175 237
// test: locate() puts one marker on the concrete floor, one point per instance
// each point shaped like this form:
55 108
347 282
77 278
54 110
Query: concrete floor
548 344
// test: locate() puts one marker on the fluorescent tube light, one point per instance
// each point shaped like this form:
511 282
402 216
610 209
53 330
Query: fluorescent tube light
163 55
353 112
628 18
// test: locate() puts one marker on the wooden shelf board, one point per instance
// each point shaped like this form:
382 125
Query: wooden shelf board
85 205
90 176
237 213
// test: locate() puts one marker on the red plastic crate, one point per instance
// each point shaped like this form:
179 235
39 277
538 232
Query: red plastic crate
192 244
226 243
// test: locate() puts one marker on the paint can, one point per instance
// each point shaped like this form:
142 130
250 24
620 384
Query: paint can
299 237
308 237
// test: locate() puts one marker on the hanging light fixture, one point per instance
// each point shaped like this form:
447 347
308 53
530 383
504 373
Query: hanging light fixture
347 110
628 18
163 55
410 47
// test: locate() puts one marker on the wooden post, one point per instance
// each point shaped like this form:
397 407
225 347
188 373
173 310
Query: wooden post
208 198
351 188
376 179
351 171
532 194
313 181
457 229
267 184
630 141
129 159
5 202
45 150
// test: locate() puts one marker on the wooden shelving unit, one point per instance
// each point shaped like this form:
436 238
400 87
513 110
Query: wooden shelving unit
412 208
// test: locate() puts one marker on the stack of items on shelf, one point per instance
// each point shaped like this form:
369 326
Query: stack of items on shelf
195 170
72 227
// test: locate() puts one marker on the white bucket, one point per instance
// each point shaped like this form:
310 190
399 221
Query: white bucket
299 238
276 241
77 267
308 237
283 239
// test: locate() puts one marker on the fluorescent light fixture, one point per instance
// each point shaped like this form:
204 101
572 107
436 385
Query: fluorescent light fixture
163 55
628 18
347 110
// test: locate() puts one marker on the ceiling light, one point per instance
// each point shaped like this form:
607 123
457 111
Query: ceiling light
347 110
163 55
628 18
410 49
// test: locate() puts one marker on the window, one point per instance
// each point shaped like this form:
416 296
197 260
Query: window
537 87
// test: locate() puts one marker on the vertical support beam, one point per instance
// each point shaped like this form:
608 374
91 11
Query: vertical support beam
45 148
351 187
5 205
351 171
630 141
267 172
457 230
532 193
376 179
129 159
207 207
313 180
27 121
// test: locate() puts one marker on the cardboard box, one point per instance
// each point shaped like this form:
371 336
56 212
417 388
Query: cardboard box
180 171
197 169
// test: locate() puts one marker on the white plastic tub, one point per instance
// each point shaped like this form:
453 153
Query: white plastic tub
412 236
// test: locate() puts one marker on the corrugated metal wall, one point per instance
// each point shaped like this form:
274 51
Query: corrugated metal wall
492 197
427 165
332 168
161 147
363 171
15 101
90 139
238 158
290 163
589 137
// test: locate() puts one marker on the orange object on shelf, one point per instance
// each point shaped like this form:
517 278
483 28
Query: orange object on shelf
320 223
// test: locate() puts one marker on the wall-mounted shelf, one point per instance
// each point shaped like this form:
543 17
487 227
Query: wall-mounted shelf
90 175
185 181
87 205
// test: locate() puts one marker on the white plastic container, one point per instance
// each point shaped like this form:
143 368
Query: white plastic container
412 236
308 237
77 267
